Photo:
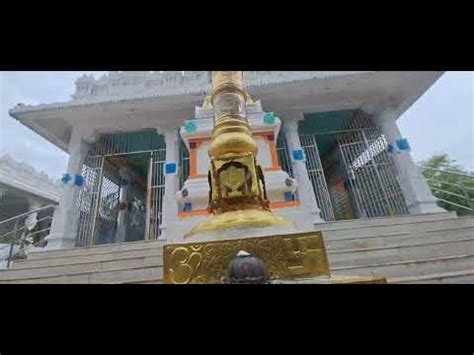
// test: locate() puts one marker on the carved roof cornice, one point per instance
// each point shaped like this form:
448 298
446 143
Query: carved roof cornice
24 177
130 85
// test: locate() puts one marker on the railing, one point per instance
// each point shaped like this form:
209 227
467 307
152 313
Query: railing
462 192
23 233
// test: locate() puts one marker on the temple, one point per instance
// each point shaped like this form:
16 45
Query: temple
24 190
327 144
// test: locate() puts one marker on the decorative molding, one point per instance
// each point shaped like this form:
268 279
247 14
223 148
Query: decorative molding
127 85
177 82
24 177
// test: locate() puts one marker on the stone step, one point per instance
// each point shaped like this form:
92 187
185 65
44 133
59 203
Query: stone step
455 277
363 256
386 221
398 239
80 268
448 228
408 267
81 258
116 276
415 227
96 249
157 281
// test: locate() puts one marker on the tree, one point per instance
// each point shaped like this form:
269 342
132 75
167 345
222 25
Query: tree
449 182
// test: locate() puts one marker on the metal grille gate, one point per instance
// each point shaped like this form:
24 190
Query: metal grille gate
368 169
283 154
316 175
99 196
371 174
183 163
156 190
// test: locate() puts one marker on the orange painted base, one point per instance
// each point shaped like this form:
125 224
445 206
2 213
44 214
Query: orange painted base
274 205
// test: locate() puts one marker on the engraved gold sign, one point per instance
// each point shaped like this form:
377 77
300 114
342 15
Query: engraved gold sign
286 257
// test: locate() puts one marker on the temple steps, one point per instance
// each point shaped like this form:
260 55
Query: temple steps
386 221
96 249
454 277
437 248
362 256
405 268
433 248
113 276
346 229
82 268
150 251
399 239
156 281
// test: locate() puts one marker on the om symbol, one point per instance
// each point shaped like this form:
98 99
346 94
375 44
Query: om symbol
184 264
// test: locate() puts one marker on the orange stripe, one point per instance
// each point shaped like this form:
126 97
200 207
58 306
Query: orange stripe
274 154
197 176
284 204
274 205
272 146
263 134
188 214
193 174
193 157
272 168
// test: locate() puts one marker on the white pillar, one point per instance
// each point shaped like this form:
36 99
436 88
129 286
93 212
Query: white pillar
305 188
418 196
170 204
66 216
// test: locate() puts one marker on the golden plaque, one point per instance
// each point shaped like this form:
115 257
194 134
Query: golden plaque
288 256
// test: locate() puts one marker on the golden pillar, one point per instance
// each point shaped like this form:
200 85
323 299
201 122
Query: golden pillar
237 197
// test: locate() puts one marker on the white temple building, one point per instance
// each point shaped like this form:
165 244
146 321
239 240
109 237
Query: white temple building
328 142
329 145
24 189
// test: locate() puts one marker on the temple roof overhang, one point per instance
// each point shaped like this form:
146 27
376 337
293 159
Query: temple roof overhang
305 92
24 179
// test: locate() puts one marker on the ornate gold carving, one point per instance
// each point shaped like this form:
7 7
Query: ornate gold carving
286 257
235 177
207 105
250 218
228 81
236 180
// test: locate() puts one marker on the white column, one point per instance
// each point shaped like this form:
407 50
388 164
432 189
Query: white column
305 188
418 196
170 204
66 216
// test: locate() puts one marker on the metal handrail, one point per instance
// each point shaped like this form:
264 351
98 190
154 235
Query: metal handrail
455 204
447 171
460 185
25 226
26 214
450 184
20 239
450 193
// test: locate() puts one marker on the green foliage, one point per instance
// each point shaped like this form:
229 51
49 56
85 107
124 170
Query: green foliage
449 183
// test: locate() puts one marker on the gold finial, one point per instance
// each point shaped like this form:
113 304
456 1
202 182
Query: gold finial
237 187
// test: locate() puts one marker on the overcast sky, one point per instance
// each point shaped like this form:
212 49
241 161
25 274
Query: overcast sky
442 120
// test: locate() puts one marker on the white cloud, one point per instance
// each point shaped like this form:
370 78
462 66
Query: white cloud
33 88
442 120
